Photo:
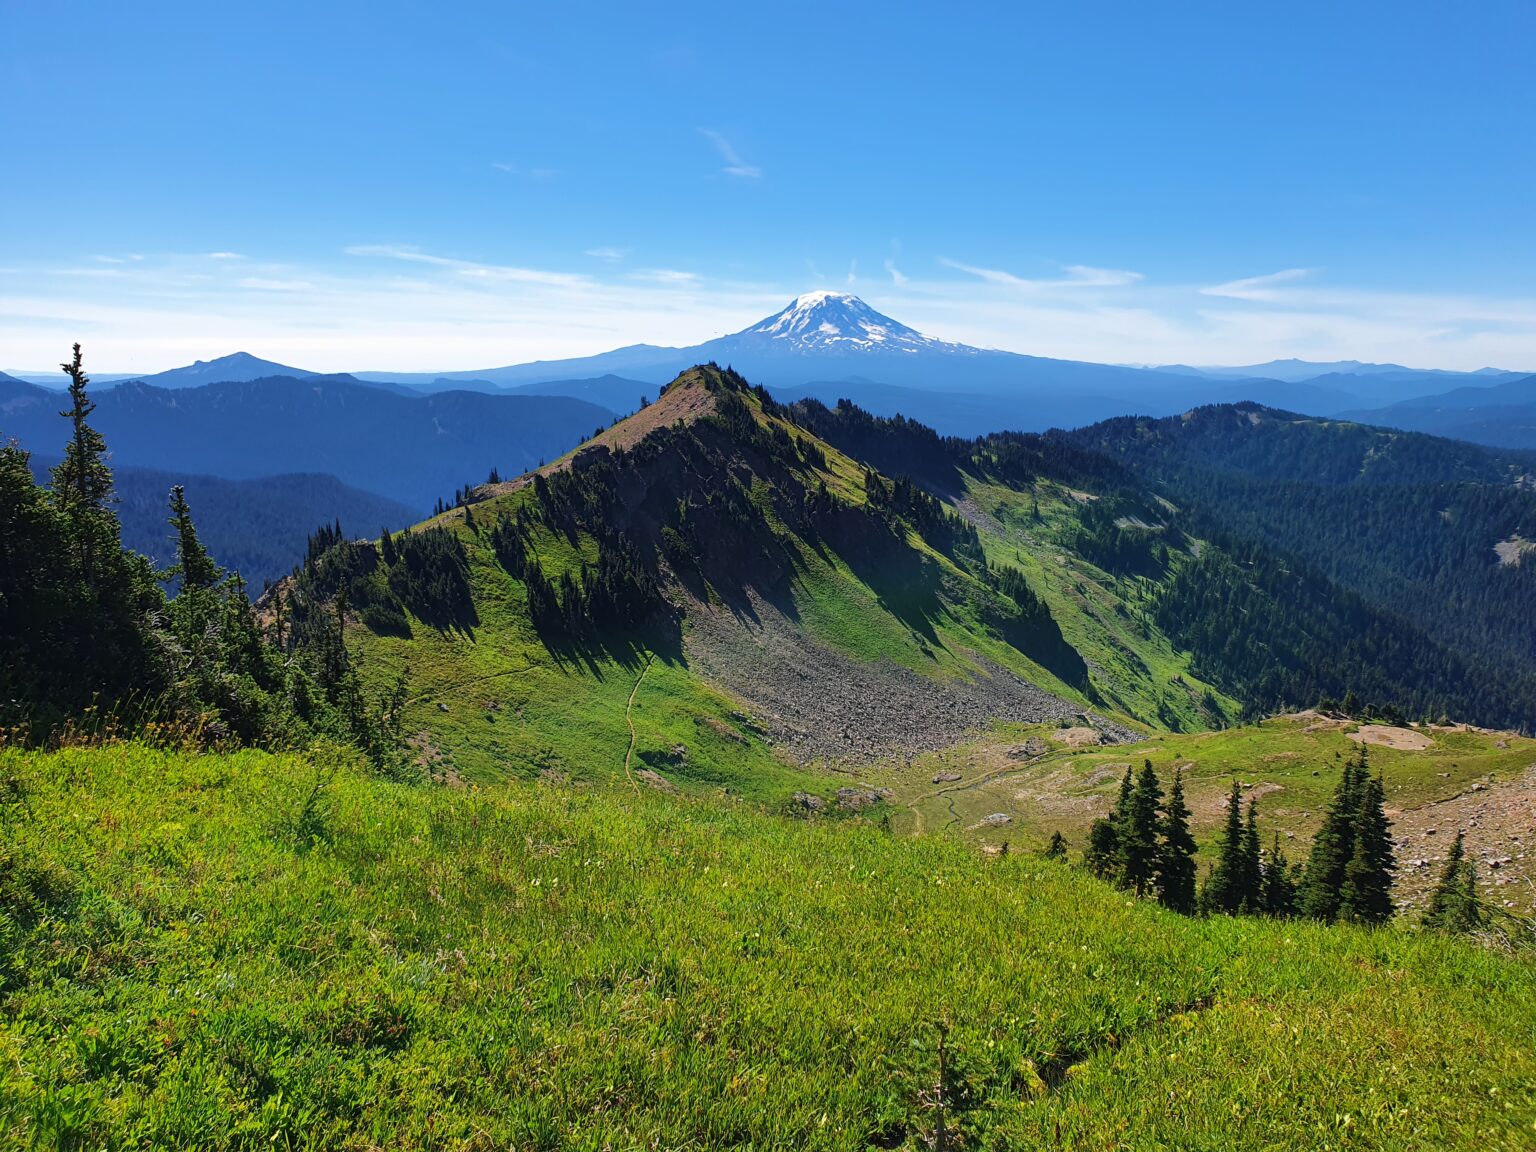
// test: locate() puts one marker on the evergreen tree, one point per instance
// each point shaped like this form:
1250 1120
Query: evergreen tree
1224 889
1252 863
1278 895
1176 857
82 482
193 564
1366 894
1138 832
1454 906
1333 846
1102 855
387 549
1057 848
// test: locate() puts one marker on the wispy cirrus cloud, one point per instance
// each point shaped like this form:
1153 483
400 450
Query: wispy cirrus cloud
398 307
272 284
531 173
467 268
664 276
734 164
610 255
1076 276
1257 287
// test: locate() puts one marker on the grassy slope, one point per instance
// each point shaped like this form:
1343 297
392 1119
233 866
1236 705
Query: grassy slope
1140 673
512 707
538 965
1290 765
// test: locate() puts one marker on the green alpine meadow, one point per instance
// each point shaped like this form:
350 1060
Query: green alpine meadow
256 949
818 578
755 775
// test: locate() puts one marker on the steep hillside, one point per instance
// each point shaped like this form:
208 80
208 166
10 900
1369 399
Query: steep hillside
757 598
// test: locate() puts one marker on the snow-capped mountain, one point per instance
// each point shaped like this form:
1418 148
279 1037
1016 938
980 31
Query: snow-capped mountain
830 345
837 321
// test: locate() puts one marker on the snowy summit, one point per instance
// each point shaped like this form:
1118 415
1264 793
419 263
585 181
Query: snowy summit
837 321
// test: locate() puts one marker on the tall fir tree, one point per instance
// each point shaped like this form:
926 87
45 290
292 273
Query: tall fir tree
1103 853
1224 889
1252 863
1454 905
193 564
1278 894
1366 894
82 482
1176 856
1334 845
1138 832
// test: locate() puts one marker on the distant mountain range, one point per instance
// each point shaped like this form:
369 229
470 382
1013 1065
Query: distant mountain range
832 345
258 528
1502 415
414 449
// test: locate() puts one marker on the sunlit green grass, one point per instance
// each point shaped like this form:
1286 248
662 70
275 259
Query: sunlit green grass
1289 765
1140 674
188 963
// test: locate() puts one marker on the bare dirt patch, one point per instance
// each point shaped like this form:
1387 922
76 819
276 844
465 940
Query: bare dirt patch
1387 736
1078 737
655 779
1499 818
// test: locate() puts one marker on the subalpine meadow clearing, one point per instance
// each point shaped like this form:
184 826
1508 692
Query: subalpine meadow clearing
255 950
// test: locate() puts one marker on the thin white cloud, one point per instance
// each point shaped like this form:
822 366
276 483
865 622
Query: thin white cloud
734 164
1086 277
398 308
990 275
467 268
1257 287
664 276
270 284
531 173
895 273
1077 276
611 255
225 256
853 273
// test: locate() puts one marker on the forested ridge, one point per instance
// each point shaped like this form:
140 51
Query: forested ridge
1375 574
1406 522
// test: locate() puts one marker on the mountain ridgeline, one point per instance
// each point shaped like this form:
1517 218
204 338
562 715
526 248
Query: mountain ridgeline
782 553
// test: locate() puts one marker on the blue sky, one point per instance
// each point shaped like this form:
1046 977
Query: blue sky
387 185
